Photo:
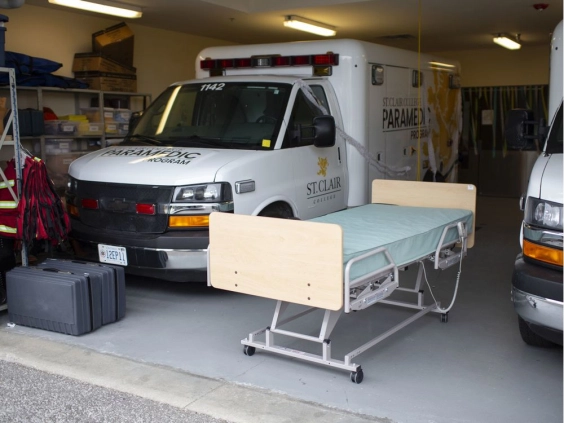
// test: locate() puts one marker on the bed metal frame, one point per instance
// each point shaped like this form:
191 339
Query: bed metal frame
355 294
363 292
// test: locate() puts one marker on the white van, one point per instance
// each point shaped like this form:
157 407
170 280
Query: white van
537 278
283 130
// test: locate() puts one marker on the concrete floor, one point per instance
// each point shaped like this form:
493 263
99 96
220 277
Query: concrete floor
474 369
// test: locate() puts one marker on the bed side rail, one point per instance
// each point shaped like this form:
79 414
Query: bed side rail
445 256
368 289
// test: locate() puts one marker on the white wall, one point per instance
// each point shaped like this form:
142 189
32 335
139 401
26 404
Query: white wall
498 66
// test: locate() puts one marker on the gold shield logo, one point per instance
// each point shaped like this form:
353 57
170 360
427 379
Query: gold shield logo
322 163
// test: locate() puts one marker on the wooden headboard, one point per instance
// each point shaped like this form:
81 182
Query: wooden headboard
427 194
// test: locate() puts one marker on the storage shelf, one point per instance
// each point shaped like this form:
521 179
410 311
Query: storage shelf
40 94
14 141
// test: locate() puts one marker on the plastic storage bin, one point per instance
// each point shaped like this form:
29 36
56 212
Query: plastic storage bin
58 146
90 128
61 127
94 114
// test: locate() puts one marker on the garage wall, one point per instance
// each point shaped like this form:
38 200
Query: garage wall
498 66
161 57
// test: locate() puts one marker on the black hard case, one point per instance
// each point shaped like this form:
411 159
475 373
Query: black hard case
112 285
55 301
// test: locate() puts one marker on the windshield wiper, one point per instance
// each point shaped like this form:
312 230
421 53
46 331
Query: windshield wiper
150 140
195 140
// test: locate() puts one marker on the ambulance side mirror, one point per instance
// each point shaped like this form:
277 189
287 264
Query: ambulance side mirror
520 129
324 127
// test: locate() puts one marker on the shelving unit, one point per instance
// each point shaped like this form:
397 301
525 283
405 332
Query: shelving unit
15 143
67 101
57 99
64 102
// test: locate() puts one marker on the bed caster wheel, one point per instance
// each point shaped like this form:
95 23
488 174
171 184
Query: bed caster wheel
248 350
356 377
444 318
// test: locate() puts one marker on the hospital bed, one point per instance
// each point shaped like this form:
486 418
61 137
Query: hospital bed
344 261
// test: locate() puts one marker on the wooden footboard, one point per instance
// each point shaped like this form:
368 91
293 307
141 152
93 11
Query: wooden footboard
289 260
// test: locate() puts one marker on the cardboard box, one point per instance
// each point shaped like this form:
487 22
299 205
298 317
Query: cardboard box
115 42
104 81
88 62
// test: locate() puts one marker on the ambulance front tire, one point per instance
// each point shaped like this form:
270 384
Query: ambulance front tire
279 210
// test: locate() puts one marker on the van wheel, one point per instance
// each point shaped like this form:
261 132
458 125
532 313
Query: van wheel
279 210
530 337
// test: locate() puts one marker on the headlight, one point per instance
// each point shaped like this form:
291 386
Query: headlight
543 213
204 193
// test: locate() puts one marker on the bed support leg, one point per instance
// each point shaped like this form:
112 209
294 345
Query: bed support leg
330 319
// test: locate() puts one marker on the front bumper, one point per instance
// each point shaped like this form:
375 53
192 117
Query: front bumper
176 256
537 294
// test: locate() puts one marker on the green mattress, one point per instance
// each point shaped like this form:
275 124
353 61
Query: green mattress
408 233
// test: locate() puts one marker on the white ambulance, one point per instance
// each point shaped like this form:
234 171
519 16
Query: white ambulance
283 130
537 277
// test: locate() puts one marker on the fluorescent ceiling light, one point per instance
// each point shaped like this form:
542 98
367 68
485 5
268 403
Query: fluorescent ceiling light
108 8
507 42
442 65
309 26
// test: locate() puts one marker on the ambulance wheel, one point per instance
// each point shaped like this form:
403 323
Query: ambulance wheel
444 318
279 210
356 377
248 350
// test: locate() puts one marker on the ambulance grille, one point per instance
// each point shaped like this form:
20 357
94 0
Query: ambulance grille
117 206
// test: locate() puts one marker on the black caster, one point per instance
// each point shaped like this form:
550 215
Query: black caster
248 350
356 377
444 318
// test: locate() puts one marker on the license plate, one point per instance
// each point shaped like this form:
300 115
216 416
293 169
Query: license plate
112 254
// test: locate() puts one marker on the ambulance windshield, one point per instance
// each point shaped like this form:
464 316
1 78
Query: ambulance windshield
217 115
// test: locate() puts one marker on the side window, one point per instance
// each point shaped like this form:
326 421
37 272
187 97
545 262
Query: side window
320 95
299 132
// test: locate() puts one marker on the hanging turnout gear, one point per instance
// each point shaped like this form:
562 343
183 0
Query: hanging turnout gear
8 224
8 202
41 215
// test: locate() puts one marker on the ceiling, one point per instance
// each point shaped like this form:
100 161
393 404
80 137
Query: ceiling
443 25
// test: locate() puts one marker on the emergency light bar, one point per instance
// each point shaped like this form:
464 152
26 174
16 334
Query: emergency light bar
328 59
